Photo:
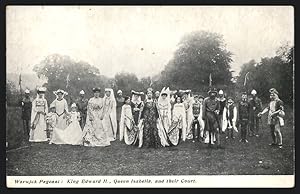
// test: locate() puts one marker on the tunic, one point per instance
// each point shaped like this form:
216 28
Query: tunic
82 109
26 108
209 115
120 103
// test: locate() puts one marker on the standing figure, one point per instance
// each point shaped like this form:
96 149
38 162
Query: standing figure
38 121
198 124
148 131
164 112
136 109
26 104
61 108
178 126
211 108
243 111
222 101
71 135
255 108
275 117
120 102
187 101
51 120
128 127
82 108
229 118
93 133
109 113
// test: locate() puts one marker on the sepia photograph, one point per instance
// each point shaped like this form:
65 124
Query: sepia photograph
150 96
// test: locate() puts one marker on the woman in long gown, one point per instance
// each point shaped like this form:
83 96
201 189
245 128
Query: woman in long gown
164 119
93 133
110 114
61 108
128 128
188 101
38 122
178 126
72 134
148 131
137 106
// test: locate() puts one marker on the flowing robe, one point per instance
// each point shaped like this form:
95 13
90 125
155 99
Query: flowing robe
94 134
178 125
128 128
109 119
164 121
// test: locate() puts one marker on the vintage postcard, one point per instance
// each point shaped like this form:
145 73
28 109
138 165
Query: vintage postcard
150 96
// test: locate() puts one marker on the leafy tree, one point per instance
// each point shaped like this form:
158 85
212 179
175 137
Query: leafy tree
199 54
63 72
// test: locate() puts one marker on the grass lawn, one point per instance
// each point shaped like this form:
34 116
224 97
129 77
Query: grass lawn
119 159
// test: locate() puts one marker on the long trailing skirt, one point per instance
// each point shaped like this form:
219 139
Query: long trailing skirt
174 132
71 135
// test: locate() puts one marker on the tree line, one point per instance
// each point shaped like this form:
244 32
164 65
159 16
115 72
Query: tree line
199 56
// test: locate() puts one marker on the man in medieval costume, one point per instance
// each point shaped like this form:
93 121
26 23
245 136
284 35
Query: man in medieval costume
81 104
229 118
120 102
211 109
222 100
26 104
275 117
243 112
110 114
255 108
197 124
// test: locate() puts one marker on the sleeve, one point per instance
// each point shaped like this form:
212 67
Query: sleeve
260 105
234 115
121 124
266 109
66 106
224 123
46 106
78 116
142 110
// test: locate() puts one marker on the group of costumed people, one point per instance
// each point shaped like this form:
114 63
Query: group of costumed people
161 119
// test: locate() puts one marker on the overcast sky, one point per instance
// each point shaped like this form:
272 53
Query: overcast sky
111 38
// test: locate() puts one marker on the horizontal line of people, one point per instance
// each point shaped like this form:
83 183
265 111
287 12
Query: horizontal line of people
162 119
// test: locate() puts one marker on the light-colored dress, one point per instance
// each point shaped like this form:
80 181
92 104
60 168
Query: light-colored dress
94 134
61 108
164 120
189 116
110 119
38 122
128 128
70 135
178 124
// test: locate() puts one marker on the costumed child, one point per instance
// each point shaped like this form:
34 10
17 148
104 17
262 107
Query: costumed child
51 120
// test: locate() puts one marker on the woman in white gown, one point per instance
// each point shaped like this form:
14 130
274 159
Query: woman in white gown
110 114
128 128
93 133
72 134
38 122
61 108
188 101
178 125
164 112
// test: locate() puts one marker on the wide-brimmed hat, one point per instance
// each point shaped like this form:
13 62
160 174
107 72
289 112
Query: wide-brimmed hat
82 92
60 91
41 90
212 90
96 89
137 93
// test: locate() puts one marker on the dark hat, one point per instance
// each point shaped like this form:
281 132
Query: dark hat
137 93
200 96
96 89
212 90
273 90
